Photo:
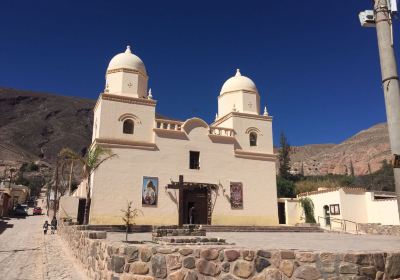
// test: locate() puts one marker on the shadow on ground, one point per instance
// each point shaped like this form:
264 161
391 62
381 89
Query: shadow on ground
4 224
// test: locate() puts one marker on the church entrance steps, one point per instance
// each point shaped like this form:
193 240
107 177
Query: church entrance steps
116 228
217 228
185 230
189 240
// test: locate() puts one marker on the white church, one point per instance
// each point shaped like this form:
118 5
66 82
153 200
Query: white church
180 172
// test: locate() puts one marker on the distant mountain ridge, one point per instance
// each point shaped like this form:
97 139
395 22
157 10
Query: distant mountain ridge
365 151
36 125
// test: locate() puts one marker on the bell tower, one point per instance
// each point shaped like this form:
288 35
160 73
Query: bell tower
125 111
126 75
238 94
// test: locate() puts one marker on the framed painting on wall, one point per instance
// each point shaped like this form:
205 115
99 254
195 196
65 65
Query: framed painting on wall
150 191
236 195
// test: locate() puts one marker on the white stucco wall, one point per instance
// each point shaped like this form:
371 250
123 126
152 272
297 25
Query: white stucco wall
322 199
293 211
80 192
357 206
110 127
68 207
120 180
244 102
353 206
381 211
128 84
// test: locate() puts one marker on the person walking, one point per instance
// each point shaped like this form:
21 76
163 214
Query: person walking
45 227
53 225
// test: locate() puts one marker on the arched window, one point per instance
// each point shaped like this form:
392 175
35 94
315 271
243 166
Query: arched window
253 139
128 127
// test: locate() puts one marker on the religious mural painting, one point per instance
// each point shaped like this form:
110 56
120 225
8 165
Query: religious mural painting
236 195
150 191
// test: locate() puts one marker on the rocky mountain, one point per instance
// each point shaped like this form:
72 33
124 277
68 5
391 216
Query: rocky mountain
36 126
365 151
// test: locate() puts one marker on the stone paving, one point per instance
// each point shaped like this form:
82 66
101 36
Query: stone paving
26 254
59 262
333 242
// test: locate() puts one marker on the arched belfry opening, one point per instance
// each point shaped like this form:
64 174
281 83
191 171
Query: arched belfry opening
253 139
128 127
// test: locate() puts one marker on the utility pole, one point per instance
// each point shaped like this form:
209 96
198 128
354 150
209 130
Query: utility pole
390 82
56 191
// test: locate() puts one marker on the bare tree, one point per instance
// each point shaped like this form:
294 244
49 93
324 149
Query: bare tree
129 217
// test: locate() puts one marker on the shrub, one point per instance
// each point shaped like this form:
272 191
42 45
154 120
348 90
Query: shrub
308 208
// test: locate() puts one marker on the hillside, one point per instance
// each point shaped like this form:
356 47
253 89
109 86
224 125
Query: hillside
368 147
36 126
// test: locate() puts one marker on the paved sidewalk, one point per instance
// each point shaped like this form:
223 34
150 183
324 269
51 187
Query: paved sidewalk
20 249
59 263
27 254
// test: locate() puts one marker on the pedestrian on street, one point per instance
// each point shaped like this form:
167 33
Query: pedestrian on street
53 224
45 227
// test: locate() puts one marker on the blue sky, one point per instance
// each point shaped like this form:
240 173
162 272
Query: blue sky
316 69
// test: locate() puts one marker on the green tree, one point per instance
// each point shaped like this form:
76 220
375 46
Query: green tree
89 163
302 169
380 180
351 168
284 157
285 188
308 208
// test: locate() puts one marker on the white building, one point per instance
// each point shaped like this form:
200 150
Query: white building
228 167
343 207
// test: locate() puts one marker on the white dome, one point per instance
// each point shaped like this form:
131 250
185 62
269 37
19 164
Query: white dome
238 82
127 60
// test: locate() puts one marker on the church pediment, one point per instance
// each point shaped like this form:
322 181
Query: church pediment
193 123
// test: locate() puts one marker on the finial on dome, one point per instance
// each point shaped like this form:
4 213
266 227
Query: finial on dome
128 49
265 111
149 95
238 73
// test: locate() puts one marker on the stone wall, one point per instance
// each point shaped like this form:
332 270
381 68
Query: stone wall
102 259
380 229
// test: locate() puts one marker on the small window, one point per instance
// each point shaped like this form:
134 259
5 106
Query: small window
334 209
194 160
128 127
253 139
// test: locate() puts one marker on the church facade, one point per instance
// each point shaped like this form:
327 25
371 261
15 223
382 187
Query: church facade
180 172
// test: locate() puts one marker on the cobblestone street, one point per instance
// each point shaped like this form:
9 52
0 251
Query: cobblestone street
25 253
